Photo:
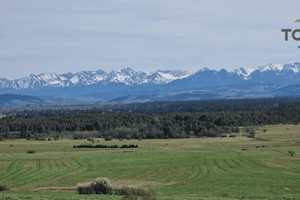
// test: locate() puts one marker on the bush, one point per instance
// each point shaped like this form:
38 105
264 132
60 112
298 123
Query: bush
40 139
99 186
251 134
31 151
102 186
83 188
3 187
91 140
291 153
134 193
108 138
56 137
265 130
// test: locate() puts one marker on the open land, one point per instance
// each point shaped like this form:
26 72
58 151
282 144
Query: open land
194 168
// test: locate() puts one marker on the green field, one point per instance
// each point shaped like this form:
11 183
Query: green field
207 168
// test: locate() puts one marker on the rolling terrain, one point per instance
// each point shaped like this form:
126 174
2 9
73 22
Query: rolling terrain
195 168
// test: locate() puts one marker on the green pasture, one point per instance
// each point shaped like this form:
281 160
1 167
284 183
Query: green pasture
206 168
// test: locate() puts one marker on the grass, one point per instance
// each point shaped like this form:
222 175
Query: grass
209 168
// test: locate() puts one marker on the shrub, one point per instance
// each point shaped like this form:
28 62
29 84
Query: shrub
3 187
265 130
102 186
232 135
251 134
129 146
83 188
99 186
31 151
91 140
134 193
40 139
108 138
291 153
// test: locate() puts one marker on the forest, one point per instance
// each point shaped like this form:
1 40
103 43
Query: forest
169 123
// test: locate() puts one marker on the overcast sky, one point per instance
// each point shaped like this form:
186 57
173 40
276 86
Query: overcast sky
74 35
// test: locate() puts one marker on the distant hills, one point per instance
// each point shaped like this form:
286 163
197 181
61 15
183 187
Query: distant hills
12 99
127 85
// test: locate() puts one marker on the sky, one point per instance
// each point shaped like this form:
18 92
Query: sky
61 36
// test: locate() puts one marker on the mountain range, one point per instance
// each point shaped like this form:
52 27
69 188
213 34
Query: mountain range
127 85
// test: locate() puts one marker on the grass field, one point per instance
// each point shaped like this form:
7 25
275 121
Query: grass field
208 168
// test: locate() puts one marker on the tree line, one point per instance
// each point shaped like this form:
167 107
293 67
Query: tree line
130 125
159 106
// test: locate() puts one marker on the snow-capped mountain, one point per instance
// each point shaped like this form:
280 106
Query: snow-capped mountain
126 76
129 85
244 72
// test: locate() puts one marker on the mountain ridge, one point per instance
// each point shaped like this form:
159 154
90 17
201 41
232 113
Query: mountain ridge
126 75
129 77
127 85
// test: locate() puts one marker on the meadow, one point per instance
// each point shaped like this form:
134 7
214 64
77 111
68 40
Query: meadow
194 168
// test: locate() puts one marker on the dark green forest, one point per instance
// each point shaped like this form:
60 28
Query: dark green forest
158 106
168 123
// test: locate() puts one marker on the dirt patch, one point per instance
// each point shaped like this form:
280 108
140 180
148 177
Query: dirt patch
27 165
118 183
55 189
287 189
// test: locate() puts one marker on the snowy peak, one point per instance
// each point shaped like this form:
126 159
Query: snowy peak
248 73
203 69
294 66
270 73
166 76
271 67
244 71
126 76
